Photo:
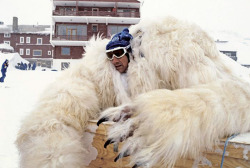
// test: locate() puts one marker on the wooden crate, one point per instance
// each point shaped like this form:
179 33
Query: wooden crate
236 155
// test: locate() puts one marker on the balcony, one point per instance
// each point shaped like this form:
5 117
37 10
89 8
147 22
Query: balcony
97 13
70 37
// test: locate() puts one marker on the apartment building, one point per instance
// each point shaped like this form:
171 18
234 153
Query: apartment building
74 22
32 42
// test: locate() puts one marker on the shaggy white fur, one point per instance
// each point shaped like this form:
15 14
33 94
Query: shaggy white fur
202 98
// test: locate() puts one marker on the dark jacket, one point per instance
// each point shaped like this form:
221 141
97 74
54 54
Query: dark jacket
5 66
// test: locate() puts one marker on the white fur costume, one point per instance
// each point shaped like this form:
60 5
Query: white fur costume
183 95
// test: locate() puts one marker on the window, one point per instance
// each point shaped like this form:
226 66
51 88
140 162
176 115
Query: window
21 39
95 11
37 52
21 51
115 29
7 42
39 41
65 51
49 52
27 39
27 51
79 30
94 28
7 35
70 10
124 12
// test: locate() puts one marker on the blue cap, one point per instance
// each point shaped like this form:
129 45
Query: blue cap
121 39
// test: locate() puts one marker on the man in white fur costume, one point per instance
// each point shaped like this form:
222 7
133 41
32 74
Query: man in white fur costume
182 95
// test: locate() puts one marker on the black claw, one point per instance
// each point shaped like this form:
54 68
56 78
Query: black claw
109 141
117 157
135 166
102 120
121 155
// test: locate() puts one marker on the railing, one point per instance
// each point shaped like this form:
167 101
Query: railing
99 13
70 37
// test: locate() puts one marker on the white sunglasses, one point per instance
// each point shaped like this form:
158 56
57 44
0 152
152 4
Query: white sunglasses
118 52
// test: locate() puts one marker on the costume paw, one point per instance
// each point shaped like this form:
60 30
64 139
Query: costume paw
121 131
121 113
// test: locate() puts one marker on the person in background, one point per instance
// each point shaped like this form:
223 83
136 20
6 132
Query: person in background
25 66
29 65
34 66
4 70
22 66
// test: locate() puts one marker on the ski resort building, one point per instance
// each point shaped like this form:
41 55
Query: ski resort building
32 42
74 22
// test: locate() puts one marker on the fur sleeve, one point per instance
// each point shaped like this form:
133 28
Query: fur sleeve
51 136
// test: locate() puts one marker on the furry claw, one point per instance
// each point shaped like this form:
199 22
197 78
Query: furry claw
136 165
117 157
109 141
121 155
102 120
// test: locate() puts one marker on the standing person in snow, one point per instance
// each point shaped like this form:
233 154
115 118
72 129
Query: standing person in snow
29 65
25 66
4 70
34 66
22 66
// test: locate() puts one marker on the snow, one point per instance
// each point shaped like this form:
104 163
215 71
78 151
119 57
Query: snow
242 138
18 95
6 46
4 28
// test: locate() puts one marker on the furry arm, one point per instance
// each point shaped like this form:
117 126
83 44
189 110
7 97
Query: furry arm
52 135
167 125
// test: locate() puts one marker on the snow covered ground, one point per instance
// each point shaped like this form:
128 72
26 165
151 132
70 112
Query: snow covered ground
18 95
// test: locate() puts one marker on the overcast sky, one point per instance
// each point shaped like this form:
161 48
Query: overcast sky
229 15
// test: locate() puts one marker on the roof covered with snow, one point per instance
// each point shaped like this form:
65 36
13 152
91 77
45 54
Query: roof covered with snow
31 29
6 47
225 46
5 29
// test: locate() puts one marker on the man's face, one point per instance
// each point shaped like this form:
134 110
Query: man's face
121 64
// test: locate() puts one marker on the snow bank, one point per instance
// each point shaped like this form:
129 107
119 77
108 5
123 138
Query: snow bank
13 58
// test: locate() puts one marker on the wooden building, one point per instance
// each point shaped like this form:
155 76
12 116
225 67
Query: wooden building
76 21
